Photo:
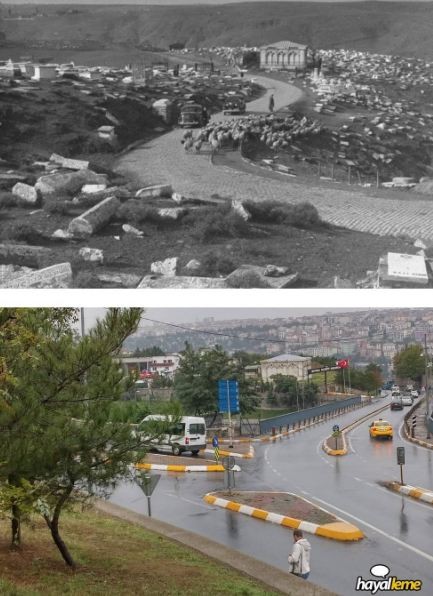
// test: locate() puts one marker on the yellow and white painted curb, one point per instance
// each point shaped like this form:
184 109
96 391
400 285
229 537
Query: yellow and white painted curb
412 491
330 451
224 453
339 530
176 468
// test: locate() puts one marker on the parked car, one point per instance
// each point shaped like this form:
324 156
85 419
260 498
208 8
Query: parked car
193 115
396 403
414 393
381 429
406 400
189 434
234 104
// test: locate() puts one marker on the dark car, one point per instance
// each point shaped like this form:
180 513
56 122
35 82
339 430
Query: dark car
396 403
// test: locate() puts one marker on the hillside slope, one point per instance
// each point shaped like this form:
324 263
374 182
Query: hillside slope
402 28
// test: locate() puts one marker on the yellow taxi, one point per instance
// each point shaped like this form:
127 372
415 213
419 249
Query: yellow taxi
381 429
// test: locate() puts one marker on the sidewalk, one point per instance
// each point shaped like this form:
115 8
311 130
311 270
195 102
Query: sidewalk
421 435
262 572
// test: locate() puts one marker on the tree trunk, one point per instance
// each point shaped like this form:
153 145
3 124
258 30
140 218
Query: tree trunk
64 551
16 527
16 517
53 525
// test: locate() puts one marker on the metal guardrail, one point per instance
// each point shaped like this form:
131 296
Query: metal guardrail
268 424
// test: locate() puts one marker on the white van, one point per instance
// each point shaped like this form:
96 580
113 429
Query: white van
189 434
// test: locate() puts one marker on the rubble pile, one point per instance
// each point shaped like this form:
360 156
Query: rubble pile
391 128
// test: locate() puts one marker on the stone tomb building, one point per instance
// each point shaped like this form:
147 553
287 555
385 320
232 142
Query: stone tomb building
284 55
289 365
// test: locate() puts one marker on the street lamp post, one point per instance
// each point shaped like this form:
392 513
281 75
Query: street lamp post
427 384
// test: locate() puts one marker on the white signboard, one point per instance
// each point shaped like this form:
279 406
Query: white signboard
407 267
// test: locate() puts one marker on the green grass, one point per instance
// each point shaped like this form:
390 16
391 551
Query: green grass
271 413
113 558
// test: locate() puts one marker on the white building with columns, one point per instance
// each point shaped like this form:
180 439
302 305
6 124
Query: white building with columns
290 365
284 55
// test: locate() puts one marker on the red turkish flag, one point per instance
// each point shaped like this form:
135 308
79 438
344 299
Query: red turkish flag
343 363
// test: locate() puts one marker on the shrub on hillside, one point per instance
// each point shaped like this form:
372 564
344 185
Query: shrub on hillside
211 222
134 212
215 264
24 232
299 215
60 205
7 199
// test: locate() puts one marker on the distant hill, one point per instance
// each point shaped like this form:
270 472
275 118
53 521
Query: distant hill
402 28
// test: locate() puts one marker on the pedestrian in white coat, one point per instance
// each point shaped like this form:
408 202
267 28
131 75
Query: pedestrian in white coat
299 559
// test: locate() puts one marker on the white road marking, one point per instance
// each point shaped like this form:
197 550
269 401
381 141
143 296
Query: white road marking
188 500
375 529
358 479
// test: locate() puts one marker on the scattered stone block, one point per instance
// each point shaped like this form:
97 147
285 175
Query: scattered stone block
90 189
92 255
23 254
94 218
178 198
61 235
252 276
132 231
25 193
420 244
425 186
275 271
240 210
71 164
167 267
171 212
119 280
56 276
193 265
10 272
181 282
159 190
68 182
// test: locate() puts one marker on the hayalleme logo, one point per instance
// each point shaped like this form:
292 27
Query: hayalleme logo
386 583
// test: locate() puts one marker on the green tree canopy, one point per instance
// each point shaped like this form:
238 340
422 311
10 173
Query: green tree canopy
196 380
59 441
410 363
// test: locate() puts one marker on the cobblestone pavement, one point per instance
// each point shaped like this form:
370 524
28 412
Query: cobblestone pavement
163 160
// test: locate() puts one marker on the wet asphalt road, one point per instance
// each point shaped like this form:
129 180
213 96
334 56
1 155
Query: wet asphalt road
398 530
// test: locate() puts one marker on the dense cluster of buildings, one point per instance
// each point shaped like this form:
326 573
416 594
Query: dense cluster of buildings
366 336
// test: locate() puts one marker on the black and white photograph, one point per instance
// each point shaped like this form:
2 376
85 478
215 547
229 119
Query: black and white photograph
183 451
185 144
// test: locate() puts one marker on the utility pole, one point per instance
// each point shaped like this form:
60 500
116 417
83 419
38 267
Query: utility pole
427 381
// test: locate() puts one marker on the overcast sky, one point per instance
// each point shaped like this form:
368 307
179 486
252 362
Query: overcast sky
164 2
192 315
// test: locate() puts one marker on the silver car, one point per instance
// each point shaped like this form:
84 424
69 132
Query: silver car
406 400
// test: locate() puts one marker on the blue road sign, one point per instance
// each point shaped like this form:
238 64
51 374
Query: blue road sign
215 441
228 395
336 428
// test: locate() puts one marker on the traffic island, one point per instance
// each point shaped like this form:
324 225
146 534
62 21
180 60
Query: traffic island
335 444
286 509
166 463
411 491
